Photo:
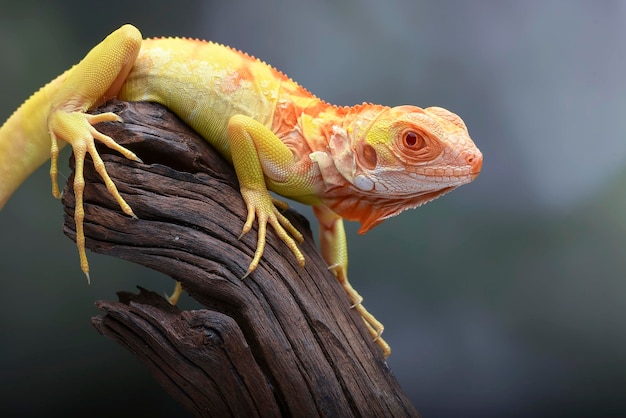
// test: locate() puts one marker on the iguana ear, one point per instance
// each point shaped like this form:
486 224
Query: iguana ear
366 156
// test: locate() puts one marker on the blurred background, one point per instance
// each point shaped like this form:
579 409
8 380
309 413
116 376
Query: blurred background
504 298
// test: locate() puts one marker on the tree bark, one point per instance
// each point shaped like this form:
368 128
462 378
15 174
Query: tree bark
282 342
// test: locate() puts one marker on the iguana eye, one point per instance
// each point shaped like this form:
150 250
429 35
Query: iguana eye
413 140
417 146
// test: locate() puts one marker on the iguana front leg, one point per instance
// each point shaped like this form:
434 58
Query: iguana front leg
335 251
253 146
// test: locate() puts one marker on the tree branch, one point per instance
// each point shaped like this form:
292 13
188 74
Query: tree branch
281 342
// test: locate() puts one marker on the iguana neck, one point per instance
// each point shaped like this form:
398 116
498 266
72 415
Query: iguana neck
324 138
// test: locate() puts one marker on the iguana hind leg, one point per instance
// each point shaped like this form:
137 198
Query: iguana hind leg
254 146
98 76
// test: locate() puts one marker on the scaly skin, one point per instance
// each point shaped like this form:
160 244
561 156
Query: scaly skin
364 163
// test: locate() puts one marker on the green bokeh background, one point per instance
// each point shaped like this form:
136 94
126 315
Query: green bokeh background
504 298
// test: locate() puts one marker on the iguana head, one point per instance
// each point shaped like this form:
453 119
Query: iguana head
393 159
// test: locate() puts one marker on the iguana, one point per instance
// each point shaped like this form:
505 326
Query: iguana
363 163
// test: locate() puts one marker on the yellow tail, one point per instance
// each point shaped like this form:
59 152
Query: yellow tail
24 140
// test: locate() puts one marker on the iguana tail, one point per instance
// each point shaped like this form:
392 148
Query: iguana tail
25 141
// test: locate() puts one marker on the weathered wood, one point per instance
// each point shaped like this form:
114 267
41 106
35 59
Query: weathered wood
282 342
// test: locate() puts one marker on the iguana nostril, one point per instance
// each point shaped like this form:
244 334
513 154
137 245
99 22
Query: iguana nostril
476 162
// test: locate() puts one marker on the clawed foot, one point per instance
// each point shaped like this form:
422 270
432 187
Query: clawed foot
178 290
77 129
262 207
374 326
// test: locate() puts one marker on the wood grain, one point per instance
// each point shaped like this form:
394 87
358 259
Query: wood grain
282 342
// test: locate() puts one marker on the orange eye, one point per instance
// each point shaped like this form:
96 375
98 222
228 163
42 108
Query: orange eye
417 146
413 140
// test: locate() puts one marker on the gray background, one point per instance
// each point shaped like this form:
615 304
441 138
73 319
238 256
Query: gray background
506 297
